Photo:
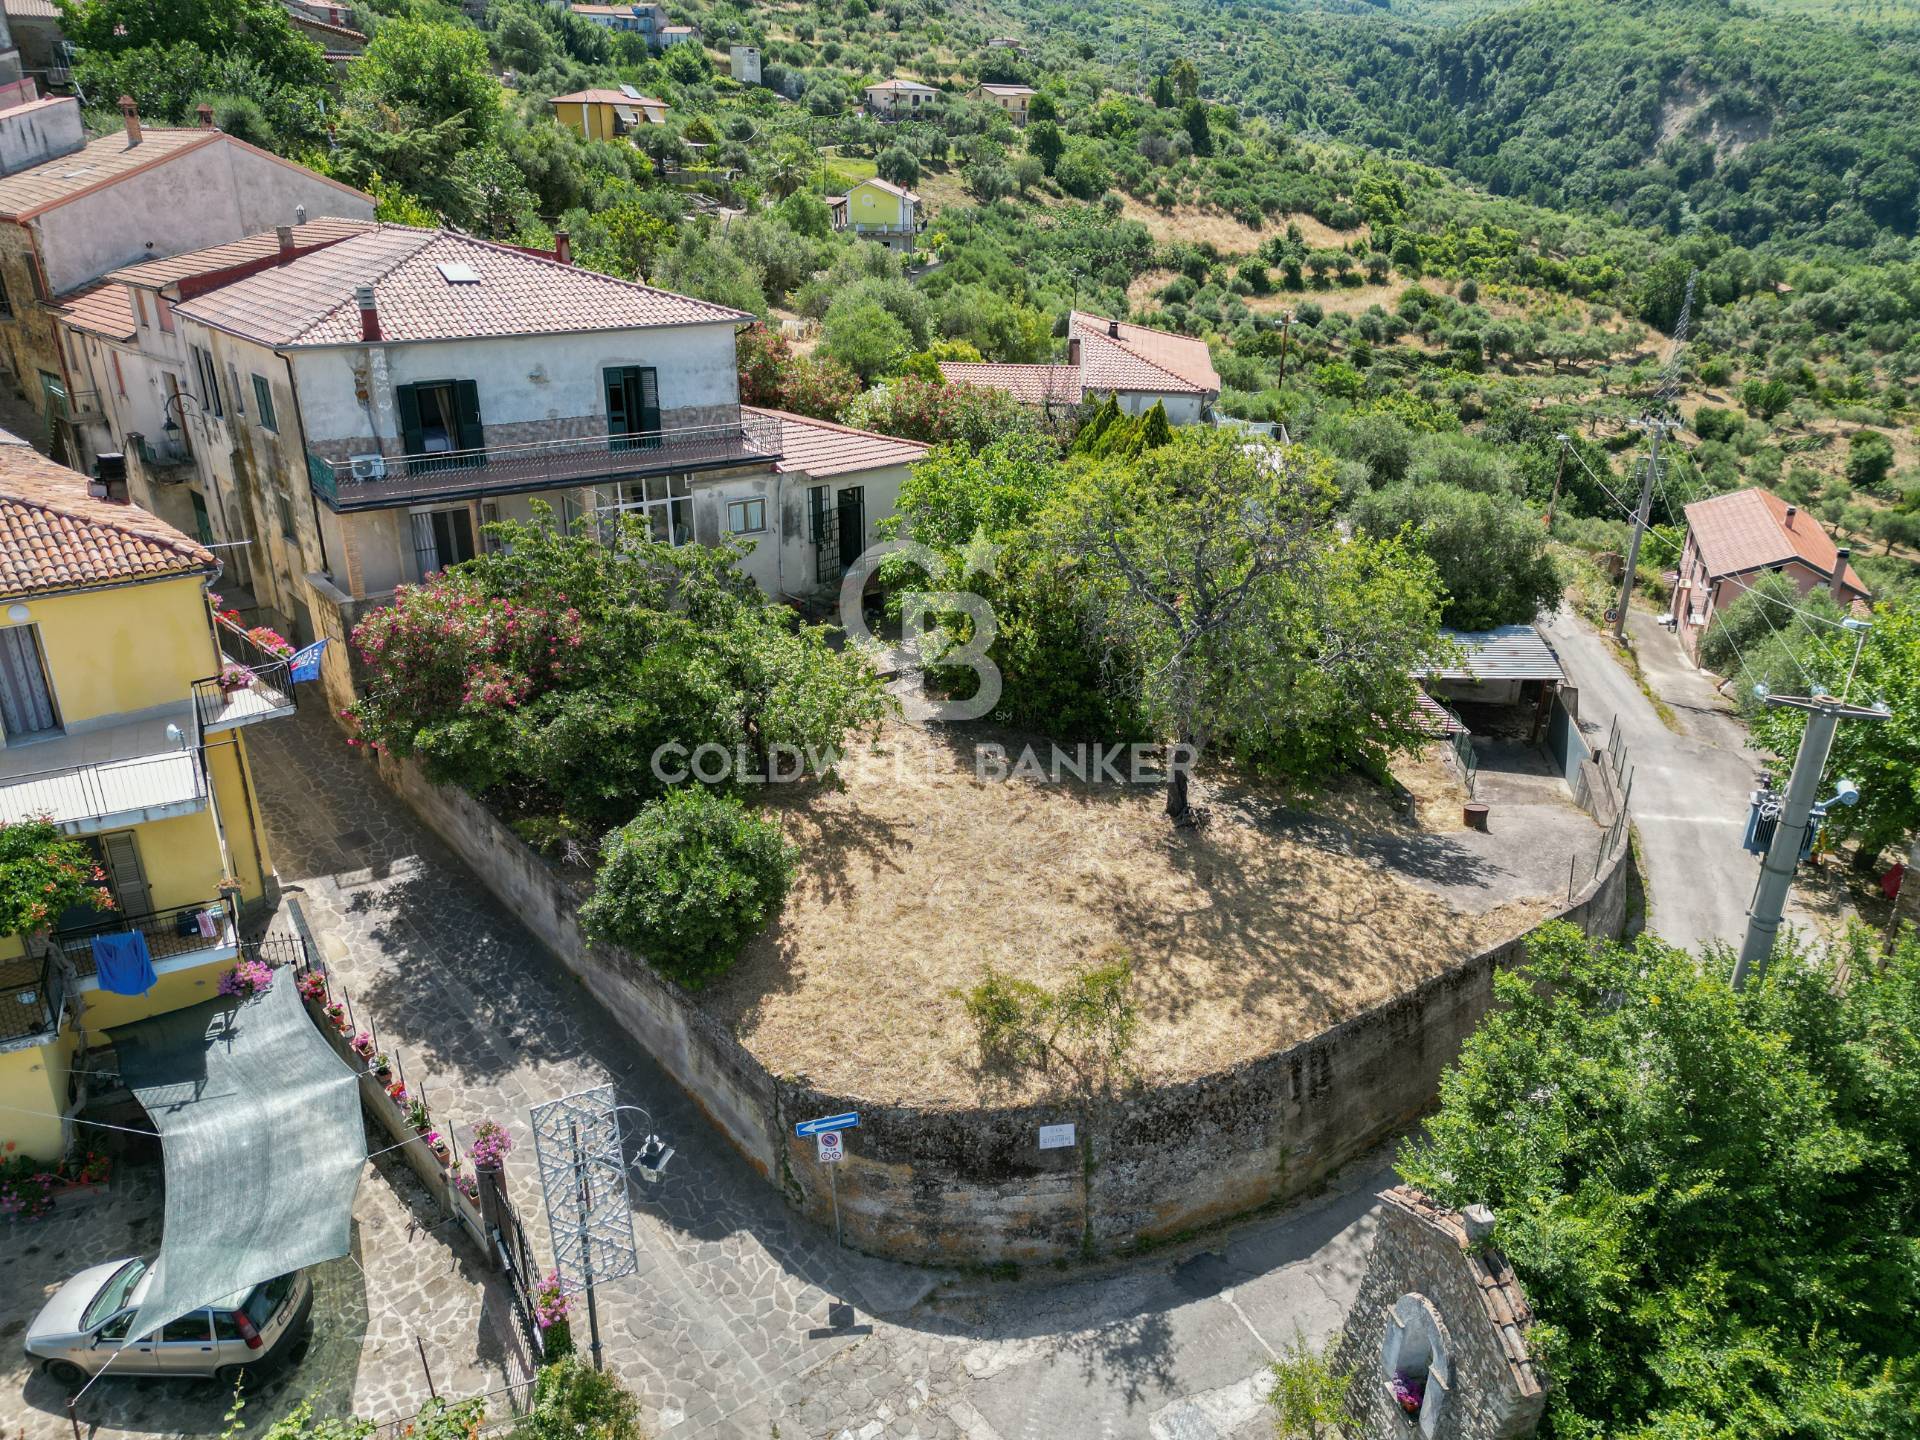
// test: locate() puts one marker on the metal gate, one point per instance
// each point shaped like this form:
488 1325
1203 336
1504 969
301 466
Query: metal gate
512 1252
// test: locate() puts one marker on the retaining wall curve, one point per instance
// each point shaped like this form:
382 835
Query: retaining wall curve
952 1185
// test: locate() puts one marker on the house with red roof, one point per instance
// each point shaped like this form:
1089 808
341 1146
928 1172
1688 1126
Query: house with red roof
1137 365
1733 540
358 401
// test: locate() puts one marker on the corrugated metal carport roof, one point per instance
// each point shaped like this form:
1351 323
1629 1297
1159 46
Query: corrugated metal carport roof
1509 652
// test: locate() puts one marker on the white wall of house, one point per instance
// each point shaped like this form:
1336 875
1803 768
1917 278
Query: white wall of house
522 380
207 196
783 558
31 134
1182 408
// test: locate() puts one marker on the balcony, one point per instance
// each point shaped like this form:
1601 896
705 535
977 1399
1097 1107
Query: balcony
177 939
165 461
33 994
544 465
255 684
109 778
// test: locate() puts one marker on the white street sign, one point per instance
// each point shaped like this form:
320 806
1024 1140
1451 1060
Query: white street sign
833 1147
1056 1137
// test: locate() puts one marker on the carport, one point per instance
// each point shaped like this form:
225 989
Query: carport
261 1140
1506 677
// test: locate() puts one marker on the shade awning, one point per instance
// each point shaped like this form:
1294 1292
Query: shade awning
261 1136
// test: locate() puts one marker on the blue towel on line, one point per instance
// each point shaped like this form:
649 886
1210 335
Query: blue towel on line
123 964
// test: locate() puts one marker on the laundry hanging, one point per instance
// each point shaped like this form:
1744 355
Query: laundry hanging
123 964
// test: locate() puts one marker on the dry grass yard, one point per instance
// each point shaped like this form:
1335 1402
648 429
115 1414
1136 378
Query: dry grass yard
918 876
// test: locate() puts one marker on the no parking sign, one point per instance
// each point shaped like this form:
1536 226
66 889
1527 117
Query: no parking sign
832 1147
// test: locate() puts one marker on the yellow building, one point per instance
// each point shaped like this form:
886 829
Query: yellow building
122 704
607 114
880 211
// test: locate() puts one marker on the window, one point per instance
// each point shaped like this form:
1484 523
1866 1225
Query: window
119 378
286 514
263 405
746 517
665 502
209 379
441 418
441 538
1414 1364
6 300
165 312
140 304
190 1329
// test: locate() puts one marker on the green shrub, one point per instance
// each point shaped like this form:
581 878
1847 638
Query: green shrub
687 880
573 1401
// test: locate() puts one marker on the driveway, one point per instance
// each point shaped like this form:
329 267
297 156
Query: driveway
744 1320
1690 786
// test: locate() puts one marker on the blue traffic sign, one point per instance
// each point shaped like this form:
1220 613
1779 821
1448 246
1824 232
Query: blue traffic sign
847 1121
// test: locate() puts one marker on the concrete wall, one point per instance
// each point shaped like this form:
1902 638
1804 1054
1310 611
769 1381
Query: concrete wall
206 196
32 133
972 1184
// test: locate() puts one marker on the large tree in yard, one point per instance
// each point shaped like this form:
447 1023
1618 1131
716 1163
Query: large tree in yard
1213 564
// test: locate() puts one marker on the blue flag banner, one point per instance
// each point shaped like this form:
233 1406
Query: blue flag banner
306 663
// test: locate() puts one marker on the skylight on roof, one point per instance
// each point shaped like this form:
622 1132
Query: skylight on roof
458 272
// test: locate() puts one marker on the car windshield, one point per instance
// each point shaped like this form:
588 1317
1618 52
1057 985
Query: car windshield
114 1294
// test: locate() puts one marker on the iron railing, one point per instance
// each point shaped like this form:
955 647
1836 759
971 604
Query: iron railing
33 995
543 465
75 794
270 694
169 933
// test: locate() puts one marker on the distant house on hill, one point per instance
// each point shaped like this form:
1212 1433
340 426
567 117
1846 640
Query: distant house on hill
608 114
879 210
1734 540
1139 366
896 99
1014 99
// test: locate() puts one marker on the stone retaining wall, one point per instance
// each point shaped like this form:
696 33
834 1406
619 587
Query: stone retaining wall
972 1184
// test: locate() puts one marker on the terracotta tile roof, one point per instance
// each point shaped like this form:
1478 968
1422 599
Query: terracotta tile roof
607 97
1007 90
601 9
898 191
310 301
1500 1292
1756 529
822 448
154 274
98 162
1433 718
55 536
311 22
32 10
1140 358
102 308
1029 384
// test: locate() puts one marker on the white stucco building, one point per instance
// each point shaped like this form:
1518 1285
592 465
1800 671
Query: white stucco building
1139 366
361 400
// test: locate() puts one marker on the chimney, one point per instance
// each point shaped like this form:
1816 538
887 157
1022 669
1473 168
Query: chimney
205 112
369 314
110 478
1840 558
1478 1222
1113 329
1792 510
563 247
131 114
284 234
1073 349
299 214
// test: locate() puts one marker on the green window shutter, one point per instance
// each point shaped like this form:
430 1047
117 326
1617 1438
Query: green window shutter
466 409
649 399
263 404
409 403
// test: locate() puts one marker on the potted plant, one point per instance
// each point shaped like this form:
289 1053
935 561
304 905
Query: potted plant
490 1146
467 1185
550 1307
235 678
362 1044
1409 1391
441 1151
336 1013
417 1117
397 1092
382 1068
312 985
247 979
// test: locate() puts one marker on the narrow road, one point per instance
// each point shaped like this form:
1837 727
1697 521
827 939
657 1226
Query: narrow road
744 1320
1690 788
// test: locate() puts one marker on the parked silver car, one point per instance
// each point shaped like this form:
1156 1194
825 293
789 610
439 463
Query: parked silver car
84 1326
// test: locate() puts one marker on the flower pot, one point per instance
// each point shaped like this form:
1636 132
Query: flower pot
442 1153
383 1074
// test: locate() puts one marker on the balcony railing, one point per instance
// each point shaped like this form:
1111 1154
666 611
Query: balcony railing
544 465
81 799
33 992
170 934
221 702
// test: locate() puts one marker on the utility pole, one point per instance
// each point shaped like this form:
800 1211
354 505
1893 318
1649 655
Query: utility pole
1558 476
1286 335
1656 428
1797 814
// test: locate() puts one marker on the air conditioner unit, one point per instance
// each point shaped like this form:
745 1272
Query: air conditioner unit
368 467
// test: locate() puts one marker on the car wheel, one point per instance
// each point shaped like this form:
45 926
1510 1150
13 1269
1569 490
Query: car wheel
66 1373
228 1376
298 1353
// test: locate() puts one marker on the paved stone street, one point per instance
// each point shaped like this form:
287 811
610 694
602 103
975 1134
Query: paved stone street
745 1320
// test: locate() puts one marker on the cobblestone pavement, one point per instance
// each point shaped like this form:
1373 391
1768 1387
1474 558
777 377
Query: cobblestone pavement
745 1320
362 1359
